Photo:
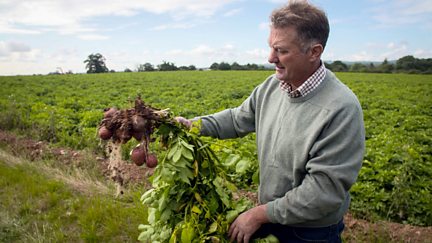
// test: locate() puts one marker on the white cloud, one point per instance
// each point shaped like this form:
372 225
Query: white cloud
258 54
201 56
391 45
278 1
362 56
264 26
381 51
29 56
65 56
94 37
17 51
174 26
18 47
328 55
8 29
421 53
403 12
71 29
72 59
233 12
20 58
203 50
22 68
204 55
70 17
414 7
228 47
395 51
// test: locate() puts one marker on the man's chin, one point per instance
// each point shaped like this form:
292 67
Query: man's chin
280 76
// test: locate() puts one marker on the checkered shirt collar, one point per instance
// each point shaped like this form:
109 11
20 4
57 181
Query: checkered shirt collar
308 86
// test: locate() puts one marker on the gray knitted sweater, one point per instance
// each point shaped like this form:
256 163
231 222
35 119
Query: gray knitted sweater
310 148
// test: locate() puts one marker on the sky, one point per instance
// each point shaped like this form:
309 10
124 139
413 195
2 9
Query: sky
42 36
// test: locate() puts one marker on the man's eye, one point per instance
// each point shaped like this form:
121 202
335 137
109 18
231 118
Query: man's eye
279 50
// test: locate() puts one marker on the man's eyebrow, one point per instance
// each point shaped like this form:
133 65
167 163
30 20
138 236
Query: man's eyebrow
279 46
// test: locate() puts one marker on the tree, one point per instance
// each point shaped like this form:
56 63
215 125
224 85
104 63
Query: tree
338 66
96 64
386 67
406 63
236 66
371 67
214 66
146 67
414 65
167 66
358 67
127 70
252 66
224 66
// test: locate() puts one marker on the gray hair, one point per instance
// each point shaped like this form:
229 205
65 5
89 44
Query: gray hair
310 22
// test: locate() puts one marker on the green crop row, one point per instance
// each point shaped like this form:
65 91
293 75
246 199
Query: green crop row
394 182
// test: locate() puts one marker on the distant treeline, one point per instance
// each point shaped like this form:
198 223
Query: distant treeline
236 66
406 64
169 66
95 63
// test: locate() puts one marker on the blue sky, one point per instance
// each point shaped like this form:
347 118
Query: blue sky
40 36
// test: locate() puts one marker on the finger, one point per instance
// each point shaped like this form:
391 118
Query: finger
232 227
239 237
247 238
233 234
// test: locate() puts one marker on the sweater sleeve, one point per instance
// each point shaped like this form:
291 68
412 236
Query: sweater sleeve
332 168
231 123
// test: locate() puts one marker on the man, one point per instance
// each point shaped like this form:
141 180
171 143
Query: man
309 131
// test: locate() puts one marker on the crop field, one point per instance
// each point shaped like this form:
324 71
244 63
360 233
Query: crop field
394 183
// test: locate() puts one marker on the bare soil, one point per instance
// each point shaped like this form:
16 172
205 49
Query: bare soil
356 230
36 150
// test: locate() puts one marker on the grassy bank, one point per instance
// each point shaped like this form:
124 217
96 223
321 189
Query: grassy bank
36 207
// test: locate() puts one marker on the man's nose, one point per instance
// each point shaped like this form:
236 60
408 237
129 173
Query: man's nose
273 57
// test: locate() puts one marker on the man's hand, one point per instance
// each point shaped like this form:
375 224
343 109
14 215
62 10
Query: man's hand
245 225
187 123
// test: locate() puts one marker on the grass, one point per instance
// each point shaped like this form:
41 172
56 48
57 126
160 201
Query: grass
44 201
37 205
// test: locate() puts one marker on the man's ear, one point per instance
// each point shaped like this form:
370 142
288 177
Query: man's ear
316 51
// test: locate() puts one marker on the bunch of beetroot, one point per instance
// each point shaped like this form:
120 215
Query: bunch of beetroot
139 122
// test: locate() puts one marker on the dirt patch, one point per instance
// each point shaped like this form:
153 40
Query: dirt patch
356 230
131 172
34 150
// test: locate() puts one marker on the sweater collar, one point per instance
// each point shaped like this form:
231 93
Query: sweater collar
308 86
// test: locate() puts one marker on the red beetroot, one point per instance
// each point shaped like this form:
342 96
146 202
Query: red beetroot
109 112
138 155
105 133
151 161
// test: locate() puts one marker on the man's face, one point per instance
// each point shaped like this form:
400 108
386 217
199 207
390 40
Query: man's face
292 64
